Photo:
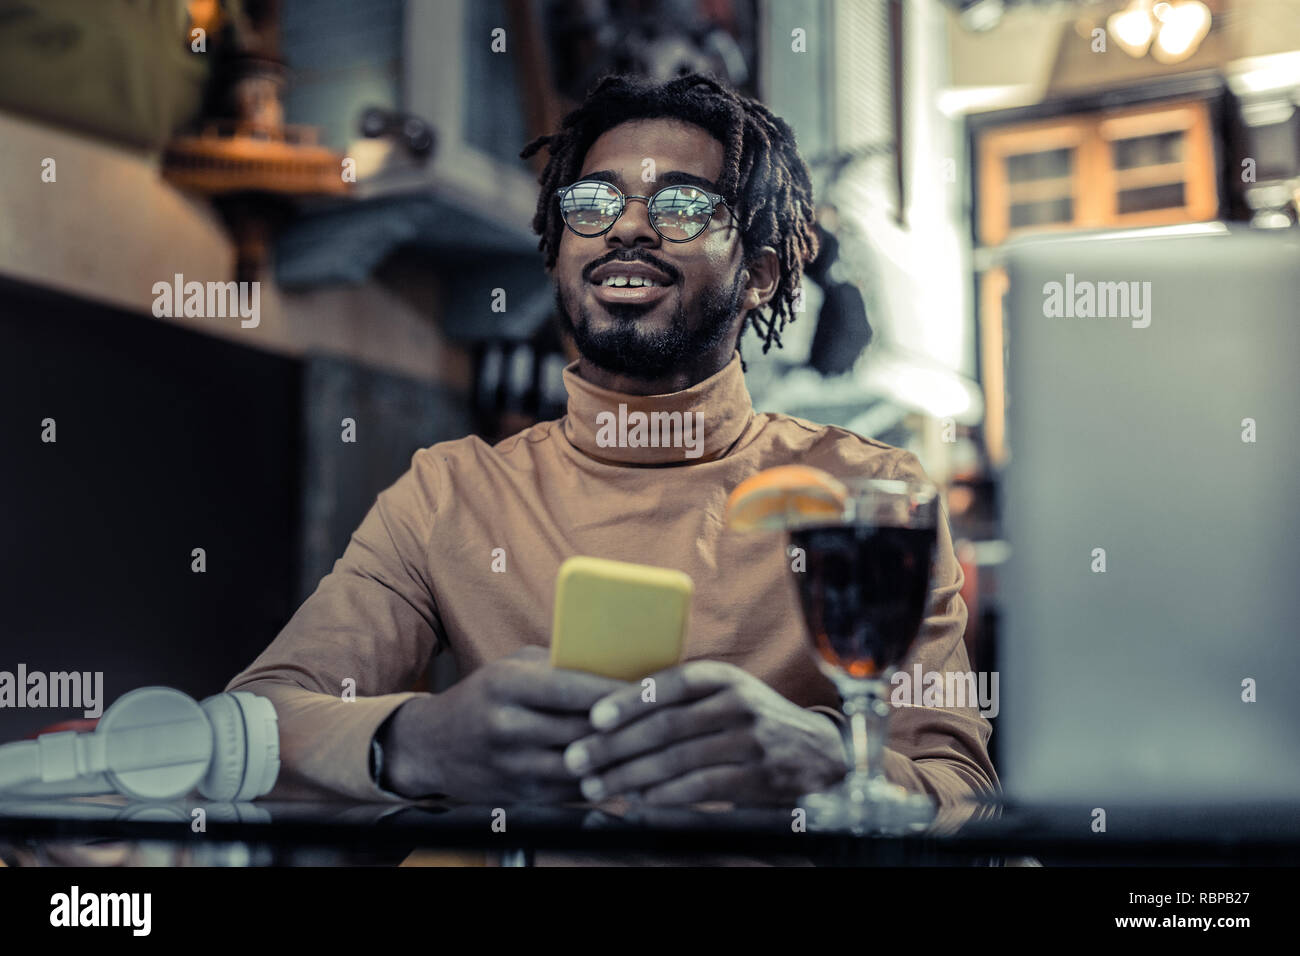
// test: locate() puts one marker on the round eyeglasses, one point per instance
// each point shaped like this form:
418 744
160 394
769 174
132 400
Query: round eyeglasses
590 208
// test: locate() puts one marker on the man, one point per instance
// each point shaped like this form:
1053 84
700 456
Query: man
461 553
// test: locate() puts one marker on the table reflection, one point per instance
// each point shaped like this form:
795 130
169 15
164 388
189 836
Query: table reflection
115 831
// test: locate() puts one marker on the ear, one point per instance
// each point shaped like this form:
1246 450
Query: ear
764 271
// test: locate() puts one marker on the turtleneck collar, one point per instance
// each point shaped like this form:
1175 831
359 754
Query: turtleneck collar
697 424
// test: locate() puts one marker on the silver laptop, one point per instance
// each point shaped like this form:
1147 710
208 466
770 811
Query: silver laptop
1126 427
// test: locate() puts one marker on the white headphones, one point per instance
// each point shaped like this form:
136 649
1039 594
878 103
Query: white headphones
155 743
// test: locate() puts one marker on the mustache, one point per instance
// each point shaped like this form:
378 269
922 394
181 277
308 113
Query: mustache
649 260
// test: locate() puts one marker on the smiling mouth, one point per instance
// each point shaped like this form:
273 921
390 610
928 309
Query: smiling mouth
628 292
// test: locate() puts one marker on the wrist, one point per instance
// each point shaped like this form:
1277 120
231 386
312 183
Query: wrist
407 769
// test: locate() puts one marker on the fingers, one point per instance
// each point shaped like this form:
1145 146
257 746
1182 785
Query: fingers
511 726
659 727
539 730
534 764
675 685
709 783
652 771
529 680
525 752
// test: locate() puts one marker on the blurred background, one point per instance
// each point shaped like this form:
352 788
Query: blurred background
360 160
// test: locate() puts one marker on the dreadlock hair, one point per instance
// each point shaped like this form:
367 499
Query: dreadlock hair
764 179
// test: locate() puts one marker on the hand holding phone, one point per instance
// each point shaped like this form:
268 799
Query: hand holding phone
618 619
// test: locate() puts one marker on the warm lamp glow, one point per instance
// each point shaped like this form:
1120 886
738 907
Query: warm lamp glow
1132 29
1182 31
1171 31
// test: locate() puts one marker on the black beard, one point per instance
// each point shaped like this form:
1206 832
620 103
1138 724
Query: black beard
628 350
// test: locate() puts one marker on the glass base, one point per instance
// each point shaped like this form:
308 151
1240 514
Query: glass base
866 806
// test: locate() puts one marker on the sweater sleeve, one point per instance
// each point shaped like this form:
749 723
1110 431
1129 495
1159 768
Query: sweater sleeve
349 655
942 751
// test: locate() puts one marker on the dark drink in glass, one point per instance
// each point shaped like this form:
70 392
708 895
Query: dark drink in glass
863 593
864 586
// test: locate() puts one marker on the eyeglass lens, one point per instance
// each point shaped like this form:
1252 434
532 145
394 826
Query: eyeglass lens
677 212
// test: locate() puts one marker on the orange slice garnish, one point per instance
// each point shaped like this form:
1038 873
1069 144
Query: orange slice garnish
784 497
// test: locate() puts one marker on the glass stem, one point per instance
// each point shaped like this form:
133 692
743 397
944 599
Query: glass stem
868 719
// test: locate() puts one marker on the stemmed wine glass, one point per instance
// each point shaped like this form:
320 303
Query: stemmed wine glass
863 589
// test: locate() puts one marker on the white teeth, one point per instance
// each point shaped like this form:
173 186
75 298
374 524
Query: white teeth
634 281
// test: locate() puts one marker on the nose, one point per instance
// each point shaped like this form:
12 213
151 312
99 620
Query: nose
633 227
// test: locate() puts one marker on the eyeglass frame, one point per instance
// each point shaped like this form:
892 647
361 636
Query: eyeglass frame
716 199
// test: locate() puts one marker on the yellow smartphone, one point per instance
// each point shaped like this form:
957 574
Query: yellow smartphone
619 619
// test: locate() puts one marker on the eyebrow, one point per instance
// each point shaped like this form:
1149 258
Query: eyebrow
674 177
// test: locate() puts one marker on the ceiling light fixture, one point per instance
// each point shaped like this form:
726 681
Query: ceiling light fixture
1182 29
1171 31
1133 28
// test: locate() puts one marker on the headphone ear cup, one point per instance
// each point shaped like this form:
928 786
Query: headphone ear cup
263 745
246 752
229 748
177 726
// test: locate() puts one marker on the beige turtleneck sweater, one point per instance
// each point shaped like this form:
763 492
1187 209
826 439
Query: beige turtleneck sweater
417 577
